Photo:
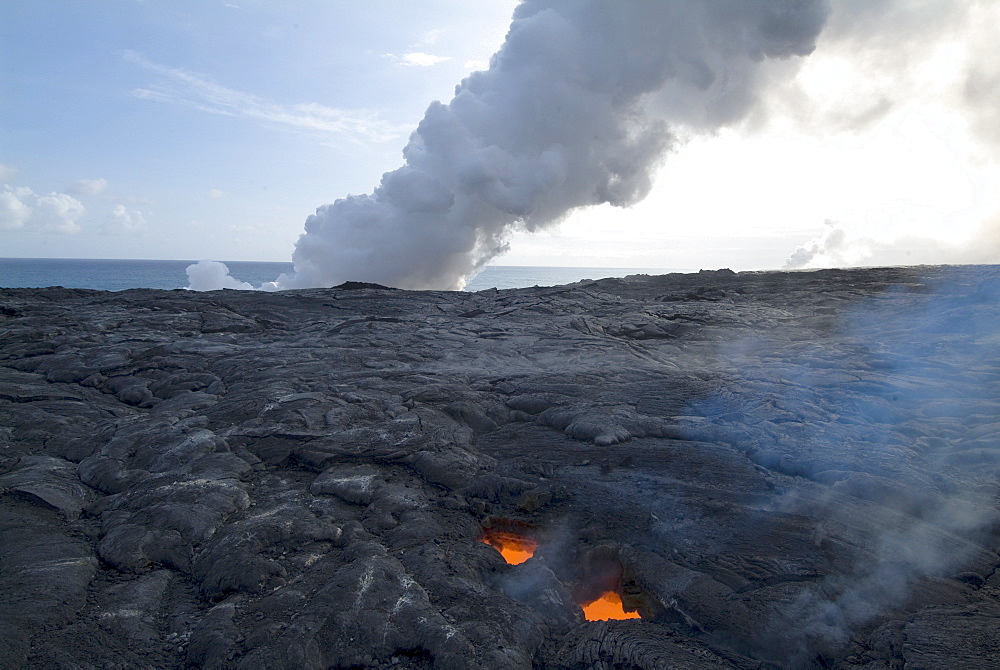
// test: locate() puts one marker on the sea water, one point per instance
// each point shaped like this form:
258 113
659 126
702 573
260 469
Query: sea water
118 275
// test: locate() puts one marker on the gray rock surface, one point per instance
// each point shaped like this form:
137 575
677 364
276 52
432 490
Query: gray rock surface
775 469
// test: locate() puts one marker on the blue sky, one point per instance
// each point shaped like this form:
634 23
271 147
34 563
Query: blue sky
195 130
222 124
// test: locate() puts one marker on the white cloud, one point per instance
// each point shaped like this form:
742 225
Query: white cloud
417 59
23 209
215 193
180 87
7 172
57 213
88 186
121 221
14 208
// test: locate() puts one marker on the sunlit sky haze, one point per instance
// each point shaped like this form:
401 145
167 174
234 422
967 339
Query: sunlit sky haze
191 130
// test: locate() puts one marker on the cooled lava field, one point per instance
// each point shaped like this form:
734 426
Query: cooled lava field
711 470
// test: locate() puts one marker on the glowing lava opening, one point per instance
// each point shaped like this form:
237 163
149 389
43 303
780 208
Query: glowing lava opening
514 548
608 606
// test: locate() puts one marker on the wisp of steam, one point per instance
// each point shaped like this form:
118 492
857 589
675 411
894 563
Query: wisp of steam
578 108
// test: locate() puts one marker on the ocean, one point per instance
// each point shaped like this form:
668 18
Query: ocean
118 275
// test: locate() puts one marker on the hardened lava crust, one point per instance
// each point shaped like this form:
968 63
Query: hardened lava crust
774 470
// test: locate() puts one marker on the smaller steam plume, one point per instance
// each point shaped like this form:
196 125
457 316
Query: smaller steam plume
577 109
211 275
837 246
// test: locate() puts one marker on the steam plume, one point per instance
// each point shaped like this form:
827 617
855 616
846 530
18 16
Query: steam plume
210 275
837 247
576 109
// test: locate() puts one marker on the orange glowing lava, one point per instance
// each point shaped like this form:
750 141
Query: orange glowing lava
608 606
515 549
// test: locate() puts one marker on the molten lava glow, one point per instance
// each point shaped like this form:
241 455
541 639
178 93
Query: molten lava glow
608 606
515 549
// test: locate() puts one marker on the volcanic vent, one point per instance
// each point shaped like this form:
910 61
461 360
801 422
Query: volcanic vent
599 588
515 547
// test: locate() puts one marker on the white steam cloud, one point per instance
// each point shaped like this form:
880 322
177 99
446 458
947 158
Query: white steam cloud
837 247
887 62
211 275
577 108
